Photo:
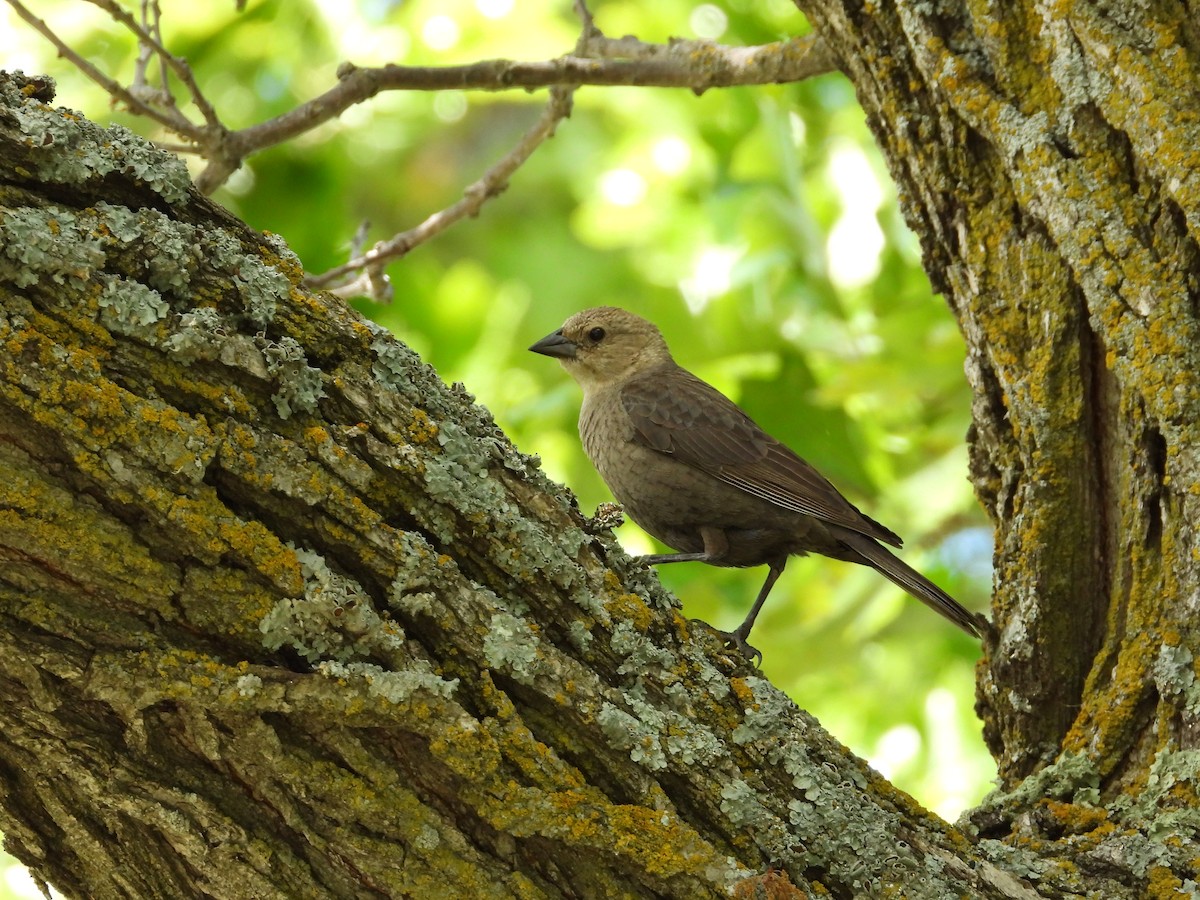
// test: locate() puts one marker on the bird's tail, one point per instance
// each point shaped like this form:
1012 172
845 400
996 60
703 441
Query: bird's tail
900 573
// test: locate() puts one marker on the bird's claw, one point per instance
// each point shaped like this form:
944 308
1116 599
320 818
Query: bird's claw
735 640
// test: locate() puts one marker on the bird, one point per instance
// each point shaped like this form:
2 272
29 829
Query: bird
692 469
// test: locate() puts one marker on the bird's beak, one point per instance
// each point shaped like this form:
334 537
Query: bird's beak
556 345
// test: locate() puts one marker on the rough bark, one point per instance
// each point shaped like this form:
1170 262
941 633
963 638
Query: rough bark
1049 159
284 615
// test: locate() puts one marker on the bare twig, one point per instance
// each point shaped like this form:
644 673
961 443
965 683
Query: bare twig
156 12
141 85
624 61
373 282
360 237
493 182
150 38
171 119
697 65
588 32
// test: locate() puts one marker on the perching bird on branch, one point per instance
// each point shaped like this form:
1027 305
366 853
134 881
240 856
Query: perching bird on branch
696 472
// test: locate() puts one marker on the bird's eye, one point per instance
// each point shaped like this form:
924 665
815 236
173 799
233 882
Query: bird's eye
596 335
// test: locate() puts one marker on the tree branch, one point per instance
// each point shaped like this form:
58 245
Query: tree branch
597 60
172 62
493 182
696 65
282 607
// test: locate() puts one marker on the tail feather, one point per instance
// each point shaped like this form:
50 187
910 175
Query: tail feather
901 574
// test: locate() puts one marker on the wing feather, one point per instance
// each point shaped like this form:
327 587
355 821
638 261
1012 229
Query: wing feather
674 412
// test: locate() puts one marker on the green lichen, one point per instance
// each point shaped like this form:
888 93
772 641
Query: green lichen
690 744
740 803
1165 806
627 732
261 288
459 468
161 249
1175 677
62 246
248 685
334 620
639 653
300 385
130 307
767 708
579 635
47 243
1072 777
198 335
395 364
73 150
420 573
461 479
1017 861
511 646
427 839
394 687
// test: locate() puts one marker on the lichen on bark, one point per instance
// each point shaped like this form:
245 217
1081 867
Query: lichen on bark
286 615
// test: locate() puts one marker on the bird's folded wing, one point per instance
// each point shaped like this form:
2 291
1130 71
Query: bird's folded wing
676 413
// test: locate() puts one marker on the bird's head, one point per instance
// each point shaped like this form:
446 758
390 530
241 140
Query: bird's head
605 345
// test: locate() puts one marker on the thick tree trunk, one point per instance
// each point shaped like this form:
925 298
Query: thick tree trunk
1049 159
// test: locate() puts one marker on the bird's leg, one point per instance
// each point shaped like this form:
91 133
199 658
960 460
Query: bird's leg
716 545
655 559
738 636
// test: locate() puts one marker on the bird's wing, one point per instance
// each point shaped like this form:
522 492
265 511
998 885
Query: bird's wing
674 412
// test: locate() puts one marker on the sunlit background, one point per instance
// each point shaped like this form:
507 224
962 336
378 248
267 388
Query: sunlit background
757 226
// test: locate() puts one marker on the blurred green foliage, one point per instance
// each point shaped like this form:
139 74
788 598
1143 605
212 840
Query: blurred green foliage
757 226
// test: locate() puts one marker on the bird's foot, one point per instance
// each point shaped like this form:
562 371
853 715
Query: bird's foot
734 639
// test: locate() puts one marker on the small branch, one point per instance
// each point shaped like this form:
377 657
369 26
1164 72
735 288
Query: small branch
175 122
373 282
589 32
149 38
676 64
697 65
164 70
493 182
141 85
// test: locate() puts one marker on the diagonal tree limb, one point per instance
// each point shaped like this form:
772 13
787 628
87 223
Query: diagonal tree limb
492 183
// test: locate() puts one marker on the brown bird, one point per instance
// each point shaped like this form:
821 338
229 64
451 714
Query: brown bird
692 469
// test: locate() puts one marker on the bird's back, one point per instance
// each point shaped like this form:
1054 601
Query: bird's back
676 414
